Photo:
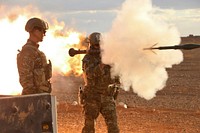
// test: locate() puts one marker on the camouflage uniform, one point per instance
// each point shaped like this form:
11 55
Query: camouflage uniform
34 72
97 97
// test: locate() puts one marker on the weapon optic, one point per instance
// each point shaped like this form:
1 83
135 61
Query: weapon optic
72 52
184 47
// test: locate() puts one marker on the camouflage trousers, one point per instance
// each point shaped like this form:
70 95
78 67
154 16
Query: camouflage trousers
35 91
96 104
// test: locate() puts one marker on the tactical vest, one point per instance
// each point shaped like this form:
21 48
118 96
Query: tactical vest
96 79
42 71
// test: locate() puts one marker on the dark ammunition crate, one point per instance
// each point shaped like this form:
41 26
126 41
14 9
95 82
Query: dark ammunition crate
28 114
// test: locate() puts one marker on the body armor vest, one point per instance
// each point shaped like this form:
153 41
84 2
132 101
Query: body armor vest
32 59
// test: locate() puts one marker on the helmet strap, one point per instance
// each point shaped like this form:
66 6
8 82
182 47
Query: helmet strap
34 37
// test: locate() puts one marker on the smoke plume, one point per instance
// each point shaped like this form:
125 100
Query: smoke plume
138 26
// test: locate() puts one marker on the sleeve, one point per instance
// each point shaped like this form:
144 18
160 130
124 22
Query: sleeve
25 62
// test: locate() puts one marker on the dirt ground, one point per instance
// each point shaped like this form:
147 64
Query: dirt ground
175 109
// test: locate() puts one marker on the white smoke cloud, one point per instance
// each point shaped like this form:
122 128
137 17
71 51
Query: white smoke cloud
138 26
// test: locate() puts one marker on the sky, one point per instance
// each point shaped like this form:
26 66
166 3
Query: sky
89 15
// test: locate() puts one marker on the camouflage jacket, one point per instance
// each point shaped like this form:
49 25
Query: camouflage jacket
34 72
96 77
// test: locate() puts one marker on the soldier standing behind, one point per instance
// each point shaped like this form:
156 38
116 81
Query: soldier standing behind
98 95
34 71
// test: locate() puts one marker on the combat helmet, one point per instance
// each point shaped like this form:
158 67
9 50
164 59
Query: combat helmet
36 22
94 38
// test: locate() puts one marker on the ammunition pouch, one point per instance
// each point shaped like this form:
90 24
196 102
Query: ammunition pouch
113 90
45 88
48 70
40 81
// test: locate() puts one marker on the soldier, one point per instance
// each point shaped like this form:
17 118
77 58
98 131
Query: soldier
98 94
34 71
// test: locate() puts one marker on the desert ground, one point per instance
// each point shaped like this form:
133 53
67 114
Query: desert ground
175 109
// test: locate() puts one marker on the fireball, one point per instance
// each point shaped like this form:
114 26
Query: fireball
56 43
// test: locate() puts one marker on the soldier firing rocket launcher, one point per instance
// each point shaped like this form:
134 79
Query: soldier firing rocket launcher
72 52
184 47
